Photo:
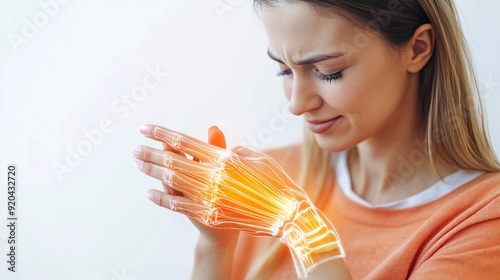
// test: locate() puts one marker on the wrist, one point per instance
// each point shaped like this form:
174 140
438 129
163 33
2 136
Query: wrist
311 238
211 244
213 260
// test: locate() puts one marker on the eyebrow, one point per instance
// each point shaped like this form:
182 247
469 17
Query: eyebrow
308 61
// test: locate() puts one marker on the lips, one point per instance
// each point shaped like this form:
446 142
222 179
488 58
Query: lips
319 127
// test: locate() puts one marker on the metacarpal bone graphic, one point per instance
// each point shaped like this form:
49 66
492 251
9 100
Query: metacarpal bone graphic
245 190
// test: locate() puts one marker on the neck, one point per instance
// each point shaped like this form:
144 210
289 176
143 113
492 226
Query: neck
392 165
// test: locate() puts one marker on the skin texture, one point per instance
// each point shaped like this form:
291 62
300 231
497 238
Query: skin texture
375 97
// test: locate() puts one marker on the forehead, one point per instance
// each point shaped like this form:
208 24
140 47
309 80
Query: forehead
296 28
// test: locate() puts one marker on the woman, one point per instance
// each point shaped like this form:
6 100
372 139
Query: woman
395 153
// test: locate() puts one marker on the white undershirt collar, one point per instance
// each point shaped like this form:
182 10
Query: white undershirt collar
441 188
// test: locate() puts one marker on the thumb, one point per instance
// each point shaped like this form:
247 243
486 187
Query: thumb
216 137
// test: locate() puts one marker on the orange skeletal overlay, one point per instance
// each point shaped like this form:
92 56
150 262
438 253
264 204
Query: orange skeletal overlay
246 190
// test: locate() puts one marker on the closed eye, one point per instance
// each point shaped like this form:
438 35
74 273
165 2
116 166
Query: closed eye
331 77
284 72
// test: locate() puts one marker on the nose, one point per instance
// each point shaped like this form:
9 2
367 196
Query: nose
303 96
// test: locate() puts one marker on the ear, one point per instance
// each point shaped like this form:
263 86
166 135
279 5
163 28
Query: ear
420 48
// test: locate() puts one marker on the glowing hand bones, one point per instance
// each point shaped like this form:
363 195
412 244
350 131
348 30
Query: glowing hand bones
246 190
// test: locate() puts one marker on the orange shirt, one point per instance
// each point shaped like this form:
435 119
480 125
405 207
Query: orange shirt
454 237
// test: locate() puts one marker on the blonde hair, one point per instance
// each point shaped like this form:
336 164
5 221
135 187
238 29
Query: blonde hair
450 102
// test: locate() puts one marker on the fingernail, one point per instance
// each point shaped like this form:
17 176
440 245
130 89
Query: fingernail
145 129
139 163
149 195
137 151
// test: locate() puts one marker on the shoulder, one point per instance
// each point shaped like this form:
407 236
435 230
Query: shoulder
461 232
473 211
485 188
490 179
477 200
466 236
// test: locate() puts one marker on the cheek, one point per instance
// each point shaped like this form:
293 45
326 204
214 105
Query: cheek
366 97
348 95
287 87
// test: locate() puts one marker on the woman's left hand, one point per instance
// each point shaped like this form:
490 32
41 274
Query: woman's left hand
240 189
229 189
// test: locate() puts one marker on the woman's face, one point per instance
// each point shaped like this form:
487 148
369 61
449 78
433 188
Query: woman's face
348 84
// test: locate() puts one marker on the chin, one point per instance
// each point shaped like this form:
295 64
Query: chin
333 144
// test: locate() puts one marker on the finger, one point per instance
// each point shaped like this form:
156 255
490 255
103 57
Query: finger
199 189
167 147
162 199
140 153
182 205
146 131
167 201
216 137
166 187
202 213
184 143
174 162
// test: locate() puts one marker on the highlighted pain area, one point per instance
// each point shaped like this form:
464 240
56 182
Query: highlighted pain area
246 190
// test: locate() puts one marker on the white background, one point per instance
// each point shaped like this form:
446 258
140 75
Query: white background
92 220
